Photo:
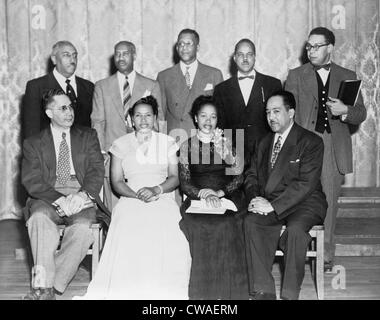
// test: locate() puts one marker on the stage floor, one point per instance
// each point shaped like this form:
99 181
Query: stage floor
356 278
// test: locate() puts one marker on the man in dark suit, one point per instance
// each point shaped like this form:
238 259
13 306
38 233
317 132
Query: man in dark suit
242 98
183 83
283 187
62 171
315 86
79 90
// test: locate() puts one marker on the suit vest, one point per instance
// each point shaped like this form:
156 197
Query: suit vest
322 117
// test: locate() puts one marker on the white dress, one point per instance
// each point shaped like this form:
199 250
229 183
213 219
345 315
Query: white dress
146 255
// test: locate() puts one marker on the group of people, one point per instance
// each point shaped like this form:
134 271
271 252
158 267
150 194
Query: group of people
282 164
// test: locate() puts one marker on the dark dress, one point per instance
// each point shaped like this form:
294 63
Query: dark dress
219 269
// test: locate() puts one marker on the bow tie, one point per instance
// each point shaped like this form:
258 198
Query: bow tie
245 77
324 66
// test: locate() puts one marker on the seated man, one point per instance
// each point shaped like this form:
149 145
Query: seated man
62 171
283 187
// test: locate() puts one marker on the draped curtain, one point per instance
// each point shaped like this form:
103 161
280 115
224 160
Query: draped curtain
29 28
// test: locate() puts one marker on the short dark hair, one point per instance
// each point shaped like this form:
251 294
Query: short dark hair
199 103
287 98
127 43
48 96
247 41
149 100
328 34
191 31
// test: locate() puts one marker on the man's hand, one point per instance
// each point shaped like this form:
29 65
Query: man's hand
204 193
213 201
77 201
260 205
337 107
63 203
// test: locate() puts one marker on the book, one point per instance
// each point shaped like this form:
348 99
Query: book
349 91
200 206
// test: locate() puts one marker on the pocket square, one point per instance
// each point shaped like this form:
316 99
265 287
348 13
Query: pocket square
146 93
208 86
294 161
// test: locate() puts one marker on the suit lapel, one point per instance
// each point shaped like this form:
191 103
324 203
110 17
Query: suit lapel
310 81
237 92
48 151
76 152
334 81
114 92
53 83
256 89
138 89
282 162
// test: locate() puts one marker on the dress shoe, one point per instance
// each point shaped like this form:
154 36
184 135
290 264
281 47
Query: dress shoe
260 295
40 294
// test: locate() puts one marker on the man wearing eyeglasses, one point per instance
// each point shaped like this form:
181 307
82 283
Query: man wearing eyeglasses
184 82
63 172
315 86
242 98
65 57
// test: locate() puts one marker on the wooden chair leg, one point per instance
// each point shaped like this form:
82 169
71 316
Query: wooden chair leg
95 251
320 283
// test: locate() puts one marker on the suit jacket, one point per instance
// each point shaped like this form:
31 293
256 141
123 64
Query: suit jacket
177 99
251 117
38 172
294 182
34 118
107 115
302 82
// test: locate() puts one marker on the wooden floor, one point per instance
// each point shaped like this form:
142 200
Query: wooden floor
355 277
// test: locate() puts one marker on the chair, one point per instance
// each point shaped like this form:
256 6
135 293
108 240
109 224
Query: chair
316 252
96 247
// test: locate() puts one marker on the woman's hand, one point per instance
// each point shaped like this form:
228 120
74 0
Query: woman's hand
204 193
146 194
213 201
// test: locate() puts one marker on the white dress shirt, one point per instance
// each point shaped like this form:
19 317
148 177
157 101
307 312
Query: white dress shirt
121 80
246 84
324 74
62 81
192 69
57 138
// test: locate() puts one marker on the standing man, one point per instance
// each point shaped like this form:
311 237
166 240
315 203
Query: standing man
242 97
183 83
113 97
65 57
284 188
315 86
63 172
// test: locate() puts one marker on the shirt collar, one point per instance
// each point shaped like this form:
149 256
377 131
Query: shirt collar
121 76
252 73
61 79
283 135
192 66
58 132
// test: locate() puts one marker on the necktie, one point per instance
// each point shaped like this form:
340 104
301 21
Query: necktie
187 78
126 102
275 152
325 66
70 92
245 77
63 167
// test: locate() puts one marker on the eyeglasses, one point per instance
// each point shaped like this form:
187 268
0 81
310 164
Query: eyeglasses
315 47
64 108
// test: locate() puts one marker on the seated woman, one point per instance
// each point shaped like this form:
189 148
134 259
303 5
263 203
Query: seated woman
146 255
210 169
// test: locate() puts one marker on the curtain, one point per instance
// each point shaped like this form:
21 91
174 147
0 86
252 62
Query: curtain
279 28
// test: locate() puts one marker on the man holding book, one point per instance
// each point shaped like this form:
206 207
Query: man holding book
315 86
